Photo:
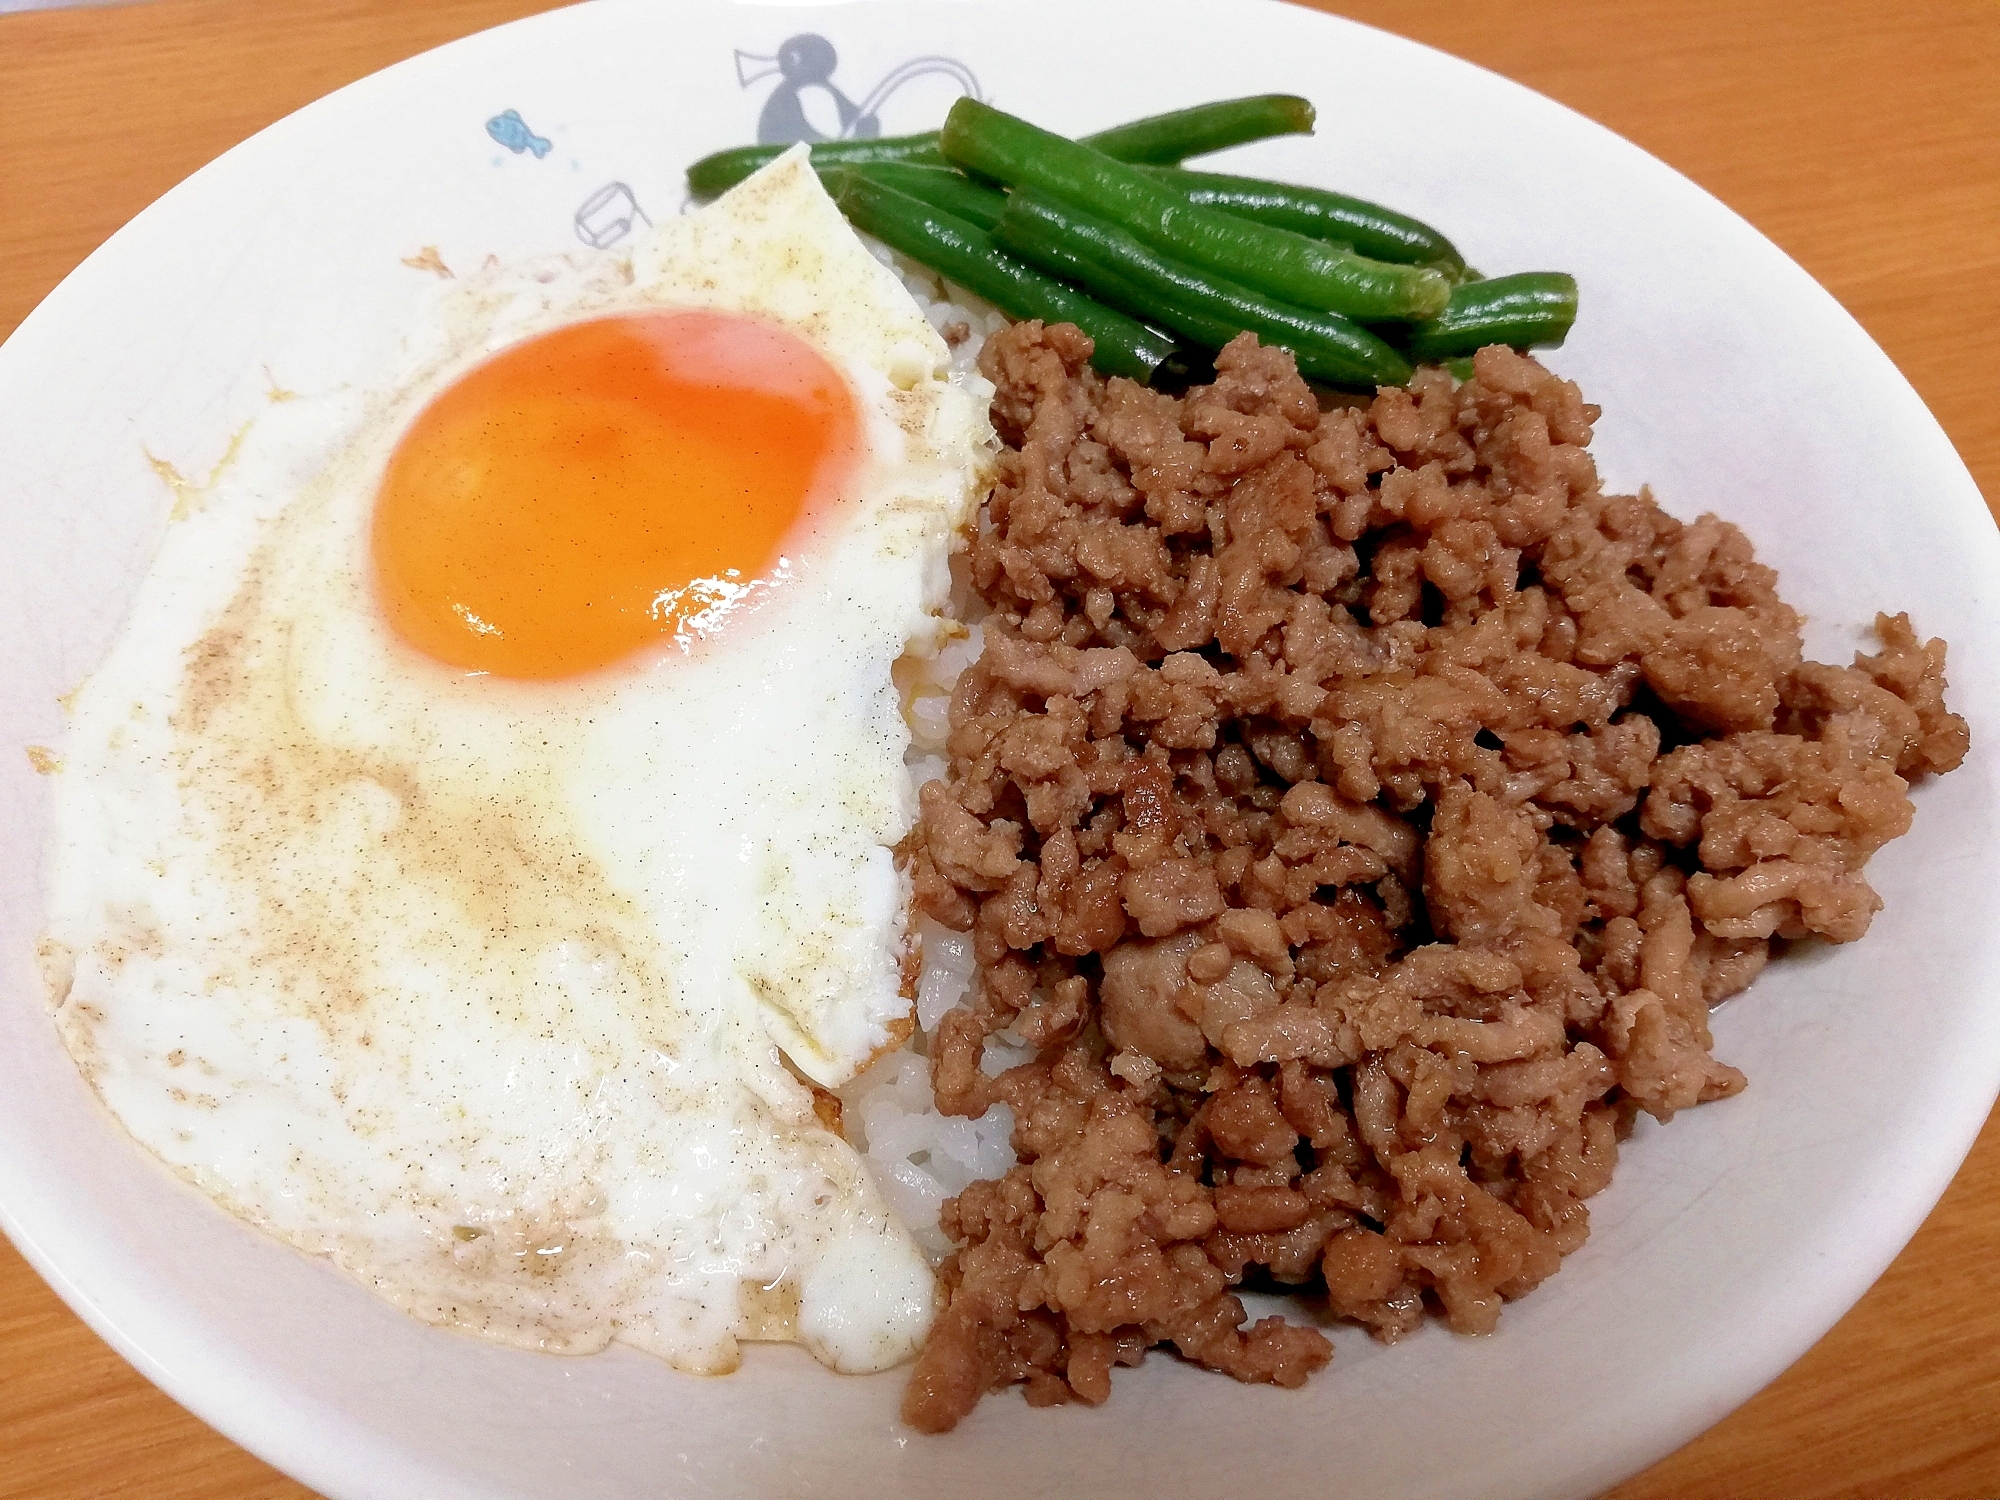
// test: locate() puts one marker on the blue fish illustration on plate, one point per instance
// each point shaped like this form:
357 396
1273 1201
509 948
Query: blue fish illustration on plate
511 131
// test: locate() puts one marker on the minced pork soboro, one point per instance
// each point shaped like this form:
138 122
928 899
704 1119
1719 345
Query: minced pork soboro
1358 811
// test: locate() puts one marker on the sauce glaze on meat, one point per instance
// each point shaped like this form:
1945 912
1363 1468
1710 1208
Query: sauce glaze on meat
1359 810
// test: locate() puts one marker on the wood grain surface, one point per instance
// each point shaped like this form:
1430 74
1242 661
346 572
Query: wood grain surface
1863 138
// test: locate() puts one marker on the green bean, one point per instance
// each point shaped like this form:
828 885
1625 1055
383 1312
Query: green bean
1157 138
941 187
1524 310
1288 266
962 252
1181 133
1368 227
1198 304
724 169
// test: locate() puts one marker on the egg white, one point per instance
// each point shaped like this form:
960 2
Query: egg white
478 987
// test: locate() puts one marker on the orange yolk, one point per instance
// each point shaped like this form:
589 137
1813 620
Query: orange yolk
595 488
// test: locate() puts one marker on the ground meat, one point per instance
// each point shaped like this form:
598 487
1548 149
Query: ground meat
1358 811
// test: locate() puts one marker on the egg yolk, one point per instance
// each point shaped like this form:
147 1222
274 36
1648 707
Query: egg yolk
596 488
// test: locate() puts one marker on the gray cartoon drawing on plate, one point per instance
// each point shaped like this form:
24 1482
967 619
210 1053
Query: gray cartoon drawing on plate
808 106
805 106
511 131
608 215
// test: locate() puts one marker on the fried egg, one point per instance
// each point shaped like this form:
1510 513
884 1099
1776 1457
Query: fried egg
477 850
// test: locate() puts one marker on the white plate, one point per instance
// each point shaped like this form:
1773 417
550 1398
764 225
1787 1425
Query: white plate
1729 381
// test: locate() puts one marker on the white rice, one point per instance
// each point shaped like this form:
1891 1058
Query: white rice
920 1157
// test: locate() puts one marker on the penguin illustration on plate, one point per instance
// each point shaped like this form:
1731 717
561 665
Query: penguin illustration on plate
808 106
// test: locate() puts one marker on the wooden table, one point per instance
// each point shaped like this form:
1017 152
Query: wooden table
1864 139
